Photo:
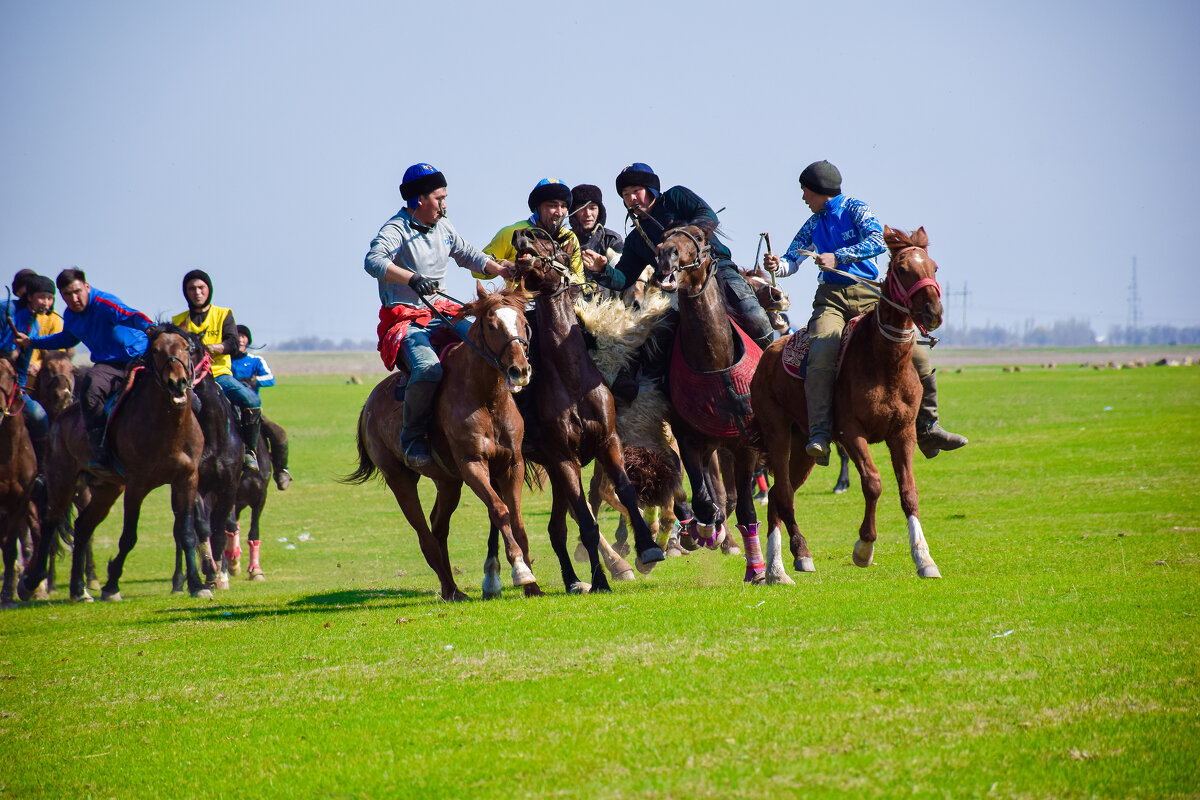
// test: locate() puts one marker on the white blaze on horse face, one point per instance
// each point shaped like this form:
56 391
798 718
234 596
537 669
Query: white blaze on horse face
508 322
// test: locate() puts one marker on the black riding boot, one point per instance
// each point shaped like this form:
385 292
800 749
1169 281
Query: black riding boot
101 458
931 437
418 414
251 422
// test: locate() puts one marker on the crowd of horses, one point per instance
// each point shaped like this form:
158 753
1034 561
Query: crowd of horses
171 425
527 396
523 395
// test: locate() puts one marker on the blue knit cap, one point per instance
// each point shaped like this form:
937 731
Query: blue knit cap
549 189
638 174
420 179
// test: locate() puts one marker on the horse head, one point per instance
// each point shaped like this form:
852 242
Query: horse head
54 385
910 280
503 332
684 261
12 400
168 358
543 265
769 296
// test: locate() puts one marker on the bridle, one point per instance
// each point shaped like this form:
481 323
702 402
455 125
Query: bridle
493 356
14 400
552 261
152 365
900 298
702 260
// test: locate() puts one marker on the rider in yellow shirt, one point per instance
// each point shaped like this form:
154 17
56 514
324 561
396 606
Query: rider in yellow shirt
550 202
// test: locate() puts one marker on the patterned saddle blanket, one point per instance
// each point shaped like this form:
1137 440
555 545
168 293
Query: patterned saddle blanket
795 350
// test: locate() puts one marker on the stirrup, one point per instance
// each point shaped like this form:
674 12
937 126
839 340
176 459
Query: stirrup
250 461
416 454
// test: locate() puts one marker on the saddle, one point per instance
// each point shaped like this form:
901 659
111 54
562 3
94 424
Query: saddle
795 350
442 341
716 403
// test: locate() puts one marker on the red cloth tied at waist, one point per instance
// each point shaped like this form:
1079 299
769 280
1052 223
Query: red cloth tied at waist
716 403
394 322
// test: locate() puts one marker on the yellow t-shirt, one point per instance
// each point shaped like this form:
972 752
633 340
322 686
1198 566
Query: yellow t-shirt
210 333
501 249
48 324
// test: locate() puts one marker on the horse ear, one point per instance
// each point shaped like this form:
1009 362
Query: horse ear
920 238
480 292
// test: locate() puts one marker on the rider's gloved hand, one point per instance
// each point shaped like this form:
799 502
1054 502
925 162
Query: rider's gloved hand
422 285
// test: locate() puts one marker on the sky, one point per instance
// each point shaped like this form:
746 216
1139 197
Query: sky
1043 145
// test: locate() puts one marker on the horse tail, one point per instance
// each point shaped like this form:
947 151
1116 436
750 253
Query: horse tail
535 476
653 473
366 467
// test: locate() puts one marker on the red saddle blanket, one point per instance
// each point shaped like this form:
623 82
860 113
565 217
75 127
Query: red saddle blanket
795 350
716 403
394 322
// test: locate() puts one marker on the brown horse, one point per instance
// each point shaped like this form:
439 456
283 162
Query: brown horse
576 415
157 440
18 469
875 400
476 437
709 384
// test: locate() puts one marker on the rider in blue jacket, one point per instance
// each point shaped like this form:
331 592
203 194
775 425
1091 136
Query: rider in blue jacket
113 332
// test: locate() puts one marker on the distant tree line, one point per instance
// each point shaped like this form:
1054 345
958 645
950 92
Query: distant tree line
1063 333
1154 335
311 343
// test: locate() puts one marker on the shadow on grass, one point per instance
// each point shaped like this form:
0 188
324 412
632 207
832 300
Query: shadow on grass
318 603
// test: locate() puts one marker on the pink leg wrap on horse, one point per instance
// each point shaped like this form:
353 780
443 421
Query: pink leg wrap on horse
254 553
754 557
761 480
233 546
711 542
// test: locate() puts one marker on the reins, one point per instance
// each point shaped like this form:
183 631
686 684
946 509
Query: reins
491 359
14 401
703 258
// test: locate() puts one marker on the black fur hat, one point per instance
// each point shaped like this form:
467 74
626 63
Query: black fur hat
586 193
823 178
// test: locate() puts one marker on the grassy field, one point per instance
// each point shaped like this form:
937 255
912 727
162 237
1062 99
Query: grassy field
1057 658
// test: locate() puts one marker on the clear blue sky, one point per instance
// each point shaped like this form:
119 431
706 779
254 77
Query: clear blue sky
1042 145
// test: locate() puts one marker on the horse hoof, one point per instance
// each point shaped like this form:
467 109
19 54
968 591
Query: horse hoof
779 579
674 550
105 596
533 590
257 576
579 587
688 542
521 574
804 564
624 575
864 552
930 571
42 592
622 549
651 555
581 554
8 605
755 575
491 595
222 581
457 597
93 584
643 567
202 594
730 548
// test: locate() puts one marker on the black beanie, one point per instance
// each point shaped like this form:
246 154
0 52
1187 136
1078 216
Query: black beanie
823 178
193 275
549 189
421 179
38 283
244 331
21 279
586 193
638 174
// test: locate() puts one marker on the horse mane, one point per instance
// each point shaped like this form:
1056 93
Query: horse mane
160 328
895 238
513 296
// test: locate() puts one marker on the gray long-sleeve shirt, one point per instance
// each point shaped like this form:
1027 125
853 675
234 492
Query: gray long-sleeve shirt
425 251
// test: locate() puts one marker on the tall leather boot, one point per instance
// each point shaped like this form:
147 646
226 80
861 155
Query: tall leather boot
418 414
931 437
250 427
277 444
818 391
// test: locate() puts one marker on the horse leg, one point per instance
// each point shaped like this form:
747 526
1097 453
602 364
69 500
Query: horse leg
403 483
902 453
864 548
477 476
449 492
202 531
492 586
61 475
508 484
843 481
10 571
101 503
745 463
177 575
183 502
704 505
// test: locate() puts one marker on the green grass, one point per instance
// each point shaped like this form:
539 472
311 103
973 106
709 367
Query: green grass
1057 658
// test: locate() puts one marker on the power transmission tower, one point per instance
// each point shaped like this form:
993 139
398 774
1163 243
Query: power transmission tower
1135 302
963 293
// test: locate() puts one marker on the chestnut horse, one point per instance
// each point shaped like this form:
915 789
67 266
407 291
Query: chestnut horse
476 437
876 397
18 469
156 439
708 369
576 417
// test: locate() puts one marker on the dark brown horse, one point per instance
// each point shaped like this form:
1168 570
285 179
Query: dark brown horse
709 389
875 400
476 437
576 415
156 440
18 469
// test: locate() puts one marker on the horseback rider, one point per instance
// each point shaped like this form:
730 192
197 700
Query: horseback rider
35 297
408 258
847 236
49 320
601 246
653 212
550 203
253 372
114 333
218 331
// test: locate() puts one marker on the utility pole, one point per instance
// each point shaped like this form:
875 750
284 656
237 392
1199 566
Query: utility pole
1135 303
963 293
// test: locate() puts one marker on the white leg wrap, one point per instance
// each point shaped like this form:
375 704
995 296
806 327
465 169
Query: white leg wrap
775 571
920 550
521 574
